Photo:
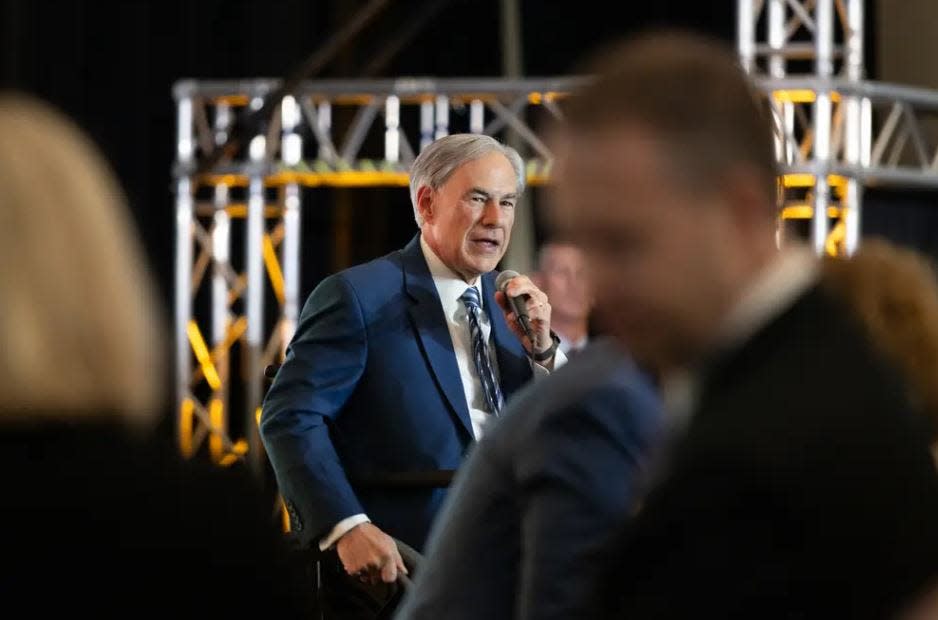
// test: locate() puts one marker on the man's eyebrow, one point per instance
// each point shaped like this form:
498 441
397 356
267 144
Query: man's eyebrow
487 194
479 190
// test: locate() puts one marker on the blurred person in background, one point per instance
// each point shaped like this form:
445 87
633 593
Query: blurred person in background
98 515
788 430
894 292
562 275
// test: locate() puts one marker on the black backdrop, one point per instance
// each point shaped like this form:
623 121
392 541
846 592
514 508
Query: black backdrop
111 64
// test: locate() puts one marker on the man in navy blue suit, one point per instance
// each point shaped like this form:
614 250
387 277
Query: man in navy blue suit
397 365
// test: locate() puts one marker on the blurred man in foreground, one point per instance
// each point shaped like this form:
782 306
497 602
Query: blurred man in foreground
529 524
788 433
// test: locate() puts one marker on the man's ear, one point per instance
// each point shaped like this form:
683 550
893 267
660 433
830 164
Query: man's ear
425 203
743 189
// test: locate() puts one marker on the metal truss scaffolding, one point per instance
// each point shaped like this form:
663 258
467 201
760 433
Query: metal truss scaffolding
836 134
256 196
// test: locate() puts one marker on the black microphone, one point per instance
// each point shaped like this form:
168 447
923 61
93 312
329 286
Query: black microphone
517 304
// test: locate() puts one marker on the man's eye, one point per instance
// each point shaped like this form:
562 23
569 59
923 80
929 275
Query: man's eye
508 204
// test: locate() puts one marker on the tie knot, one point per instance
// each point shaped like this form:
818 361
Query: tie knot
471 298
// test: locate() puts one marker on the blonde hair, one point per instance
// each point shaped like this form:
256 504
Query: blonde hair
79 335
894 292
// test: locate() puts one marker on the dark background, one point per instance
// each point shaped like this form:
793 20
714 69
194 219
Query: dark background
111 65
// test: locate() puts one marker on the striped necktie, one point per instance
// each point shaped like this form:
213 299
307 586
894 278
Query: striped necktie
480 352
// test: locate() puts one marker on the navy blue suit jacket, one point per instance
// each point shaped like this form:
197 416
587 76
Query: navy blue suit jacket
527 528
370 386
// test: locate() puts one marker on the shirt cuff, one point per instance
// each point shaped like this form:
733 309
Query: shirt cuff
341 528
541 371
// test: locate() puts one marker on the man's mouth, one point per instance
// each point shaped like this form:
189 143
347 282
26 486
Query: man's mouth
486 243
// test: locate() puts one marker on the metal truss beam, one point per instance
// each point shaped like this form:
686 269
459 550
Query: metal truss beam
256 191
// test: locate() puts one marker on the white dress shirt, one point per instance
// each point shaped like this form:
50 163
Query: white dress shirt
450 288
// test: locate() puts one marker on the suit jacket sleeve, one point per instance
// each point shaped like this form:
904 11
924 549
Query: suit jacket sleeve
578 487
323 365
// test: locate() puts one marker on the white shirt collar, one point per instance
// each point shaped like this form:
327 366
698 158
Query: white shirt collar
449 284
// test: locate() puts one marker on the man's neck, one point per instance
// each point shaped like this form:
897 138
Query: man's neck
774 286
439 268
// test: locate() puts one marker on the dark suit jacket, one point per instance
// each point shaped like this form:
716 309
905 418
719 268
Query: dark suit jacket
803 487
370 386
530 519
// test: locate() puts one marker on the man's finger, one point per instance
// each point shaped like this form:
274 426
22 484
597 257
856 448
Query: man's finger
502 301
522 285
518 286
389 572
400 562
535 306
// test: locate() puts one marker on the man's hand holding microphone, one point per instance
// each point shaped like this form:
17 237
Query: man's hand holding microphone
527 311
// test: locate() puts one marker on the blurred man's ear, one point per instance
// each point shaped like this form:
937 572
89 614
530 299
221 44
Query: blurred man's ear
744 191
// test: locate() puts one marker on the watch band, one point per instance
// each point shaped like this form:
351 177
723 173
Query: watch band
549 352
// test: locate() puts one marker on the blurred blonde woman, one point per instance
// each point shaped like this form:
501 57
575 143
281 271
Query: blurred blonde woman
95 518
79 336
894 291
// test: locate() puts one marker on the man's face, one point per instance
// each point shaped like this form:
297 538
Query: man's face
564 277
468 220
661 257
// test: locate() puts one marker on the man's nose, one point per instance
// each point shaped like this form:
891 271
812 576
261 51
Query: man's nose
492 214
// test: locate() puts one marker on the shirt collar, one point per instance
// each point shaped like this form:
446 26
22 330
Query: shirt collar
449 284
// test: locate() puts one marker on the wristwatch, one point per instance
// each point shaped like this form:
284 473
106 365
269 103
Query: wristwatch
549 352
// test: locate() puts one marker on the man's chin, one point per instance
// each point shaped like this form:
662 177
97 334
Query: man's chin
486 265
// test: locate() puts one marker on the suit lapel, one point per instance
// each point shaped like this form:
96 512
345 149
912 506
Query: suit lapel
513 366
429 322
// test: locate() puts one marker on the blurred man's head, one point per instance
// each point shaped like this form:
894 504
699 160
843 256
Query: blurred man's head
667 180
563 276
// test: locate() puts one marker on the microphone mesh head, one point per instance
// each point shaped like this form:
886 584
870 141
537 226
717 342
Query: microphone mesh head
502 280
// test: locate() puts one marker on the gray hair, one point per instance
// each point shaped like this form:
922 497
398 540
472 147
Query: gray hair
440 159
